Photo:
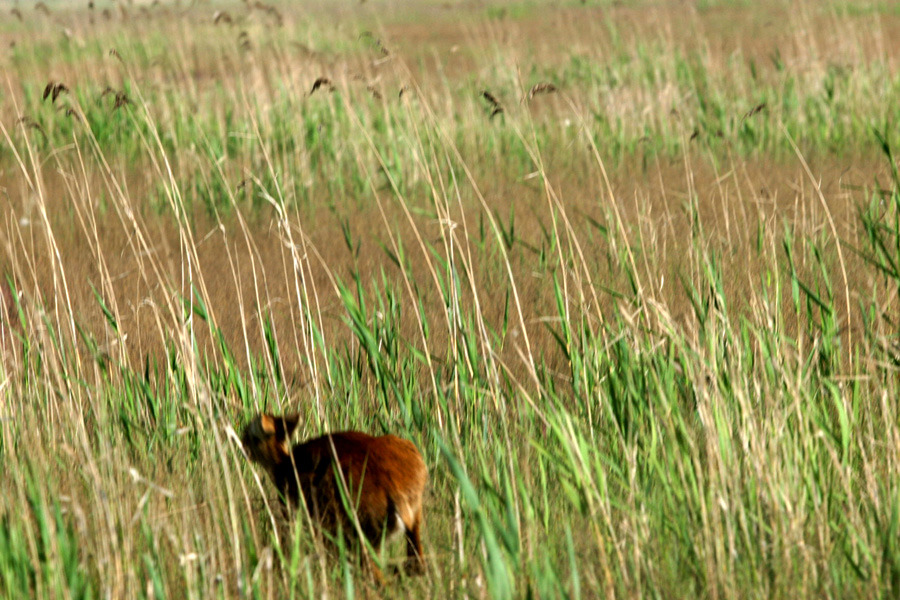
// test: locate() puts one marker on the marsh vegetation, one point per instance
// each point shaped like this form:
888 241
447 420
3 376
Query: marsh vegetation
626 273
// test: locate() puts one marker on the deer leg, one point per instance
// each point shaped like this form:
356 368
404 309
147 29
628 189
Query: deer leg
415 555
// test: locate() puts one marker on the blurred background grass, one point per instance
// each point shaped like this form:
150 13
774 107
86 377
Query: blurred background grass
636 304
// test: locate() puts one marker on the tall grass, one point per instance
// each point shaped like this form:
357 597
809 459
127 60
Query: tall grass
642 327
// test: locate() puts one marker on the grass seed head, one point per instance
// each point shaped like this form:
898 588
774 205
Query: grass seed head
322 82
541 88
53 90
222 16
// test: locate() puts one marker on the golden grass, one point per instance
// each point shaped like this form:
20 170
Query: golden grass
470 166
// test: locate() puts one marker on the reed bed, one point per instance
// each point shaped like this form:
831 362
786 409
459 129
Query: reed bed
631 287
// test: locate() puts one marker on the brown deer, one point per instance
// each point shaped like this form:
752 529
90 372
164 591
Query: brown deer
378 480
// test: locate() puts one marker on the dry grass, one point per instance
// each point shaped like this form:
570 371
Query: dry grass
619 279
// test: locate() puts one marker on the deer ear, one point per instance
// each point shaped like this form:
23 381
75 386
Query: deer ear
289 422
267 423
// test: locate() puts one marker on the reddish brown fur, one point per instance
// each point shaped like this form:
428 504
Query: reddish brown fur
386 477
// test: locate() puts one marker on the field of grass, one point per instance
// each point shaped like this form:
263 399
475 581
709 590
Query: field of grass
626 272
